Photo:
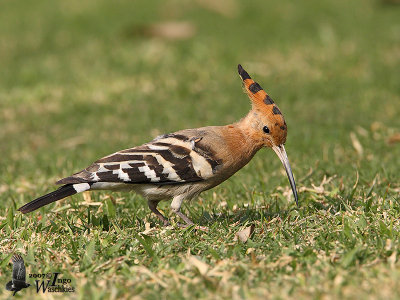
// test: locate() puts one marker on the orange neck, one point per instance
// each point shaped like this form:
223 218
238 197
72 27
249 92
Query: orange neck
241 140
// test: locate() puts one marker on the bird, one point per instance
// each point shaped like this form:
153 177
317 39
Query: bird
181 165
18 276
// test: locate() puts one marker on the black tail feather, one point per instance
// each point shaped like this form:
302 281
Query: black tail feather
62 192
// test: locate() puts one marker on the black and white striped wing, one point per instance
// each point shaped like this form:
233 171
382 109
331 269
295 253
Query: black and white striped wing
19 271
168 159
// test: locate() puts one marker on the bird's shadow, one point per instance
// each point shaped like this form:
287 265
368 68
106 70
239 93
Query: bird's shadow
240 216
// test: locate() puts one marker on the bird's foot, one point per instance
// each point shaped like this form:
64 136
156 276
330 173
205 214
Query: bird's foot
160 216
184 218
189 222
165 222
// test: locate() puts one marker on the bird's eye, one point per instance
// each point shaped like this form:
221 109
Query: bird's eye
266 129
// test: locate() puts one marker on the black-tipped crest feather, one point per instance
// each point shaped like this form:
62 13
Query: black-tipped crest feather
243 73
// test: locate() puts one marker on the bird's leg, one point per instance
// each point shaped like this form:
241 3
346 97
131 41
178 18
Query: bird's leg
184 218
176 208
153 208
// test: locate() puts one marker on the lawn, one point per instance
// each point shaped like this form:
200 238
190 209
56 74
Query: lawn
82 79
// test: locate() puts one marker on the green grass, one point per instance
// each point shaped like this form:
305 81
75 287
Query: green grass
80 80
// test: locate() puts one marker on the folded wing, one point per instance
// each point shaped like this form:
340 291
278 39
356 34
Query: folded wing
168 159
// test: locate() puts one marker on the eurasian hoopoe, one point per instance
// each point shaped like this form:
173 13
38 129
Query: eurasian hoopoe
183 164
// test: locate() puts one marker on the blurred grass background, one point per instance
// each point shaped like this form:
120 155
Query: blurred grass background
80 80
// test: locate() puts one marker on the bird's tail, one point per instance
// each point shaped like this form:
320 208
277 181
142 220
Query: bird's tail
61 193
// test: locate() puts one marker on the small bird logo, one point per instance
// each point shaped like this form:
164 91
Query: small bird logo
181 165
18 276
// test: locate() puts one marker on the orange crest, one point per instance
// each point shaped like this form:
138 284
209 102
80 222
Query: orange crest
263 105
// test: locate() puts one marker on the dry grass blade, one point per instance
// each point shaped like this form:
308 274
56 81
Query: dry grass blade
202 267
172 30
145 271
226 8
87 197
356 144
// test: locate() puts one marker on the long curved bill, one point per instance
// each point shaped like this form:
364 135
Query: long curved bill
280 151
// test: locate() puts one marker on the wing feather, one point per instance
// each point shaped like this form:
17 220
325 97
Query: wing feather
169 159
19 271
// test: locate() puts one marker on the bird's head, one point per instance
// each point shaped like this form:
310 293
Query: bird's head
267 123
